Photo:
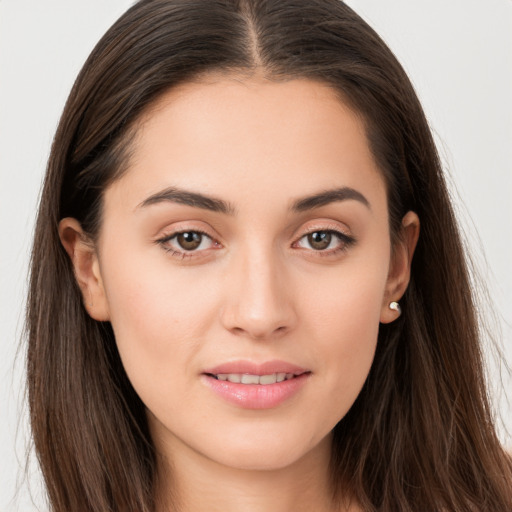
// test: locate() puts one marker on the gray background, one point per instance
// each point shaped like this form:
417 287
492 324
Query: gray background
458 54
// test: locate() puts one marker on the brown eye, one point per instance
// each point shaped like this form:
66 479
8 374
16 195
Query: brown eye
325 242
188 244
190 240
319 240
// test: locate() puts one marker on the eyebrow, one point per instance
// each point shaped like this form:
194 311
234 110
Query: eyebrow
194 199
197 200
329 196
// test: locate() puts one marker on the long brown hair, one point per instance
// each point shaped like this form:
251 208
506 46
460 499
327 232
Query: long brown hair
420 436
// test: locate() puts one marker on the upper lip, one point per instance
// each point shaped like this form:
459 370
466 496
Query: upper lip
252 368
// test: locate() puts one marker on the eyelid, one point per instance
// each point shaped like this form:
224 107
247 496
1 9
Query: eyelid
323 225
169 234
345 239
185 226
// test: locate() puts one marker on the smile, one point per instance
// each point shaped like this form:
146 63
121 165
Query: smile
251 385
244 378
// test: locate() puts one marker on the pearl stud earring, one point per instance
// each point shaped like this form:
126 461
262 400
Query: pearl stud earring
395 307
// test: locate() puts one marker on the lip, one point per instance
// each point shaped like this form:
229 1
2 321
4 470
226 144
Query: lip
252 368
256 396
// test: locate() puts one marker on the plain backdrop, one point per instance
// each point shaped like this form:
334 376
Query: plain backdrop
457 53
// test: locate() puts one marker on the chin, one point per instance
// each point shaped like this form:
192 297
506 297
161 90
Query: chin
255 459
266 451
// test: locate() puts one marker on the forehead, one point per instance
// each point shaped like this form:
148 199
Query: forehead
256 137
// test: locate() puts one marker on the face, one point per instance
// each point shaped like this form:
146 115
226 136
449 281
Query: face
247 241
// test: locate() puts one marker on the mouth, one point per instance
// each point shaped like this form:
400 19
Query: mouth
251 385
247 378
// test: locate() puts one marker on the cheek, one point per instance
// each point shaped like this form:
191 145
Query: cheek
344 322
148 295
157 317
347 303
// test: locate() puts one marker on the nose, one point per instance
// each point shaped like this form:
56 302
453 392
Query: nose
259 302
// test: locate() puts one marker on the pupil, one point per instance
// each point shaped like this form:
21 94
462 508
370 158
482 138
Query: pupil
189 240
320 239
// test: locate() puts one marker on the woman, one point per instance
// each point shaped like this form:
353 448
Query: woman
241 200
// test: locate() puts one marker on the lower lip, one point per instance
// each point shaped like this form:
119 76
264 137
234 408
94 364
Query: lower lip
256 396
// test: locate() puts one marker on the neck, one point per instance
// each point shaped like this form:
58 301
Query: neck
194 483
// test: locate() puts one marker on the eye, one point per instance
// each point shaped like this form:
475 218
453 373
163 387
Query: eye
328 241
190 240
182 243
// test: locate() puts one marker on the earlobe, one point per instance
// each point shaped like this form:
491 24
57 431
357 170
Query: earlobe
86 267
400 267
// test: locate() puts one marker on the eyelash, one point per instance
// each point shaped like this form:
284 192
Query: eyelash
182 255
345 240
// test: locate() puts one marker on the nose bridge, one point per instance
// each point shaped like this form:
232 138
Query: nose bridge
260 304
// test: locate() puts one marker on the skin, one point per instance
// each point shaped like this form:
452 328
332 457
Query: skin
255 289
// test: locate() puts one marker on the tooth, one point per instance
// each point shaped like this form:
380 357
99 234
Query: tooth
268 379
250 379
255 379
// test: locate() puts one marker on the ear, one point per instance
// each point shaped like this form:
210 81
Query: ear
400 266
86 267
